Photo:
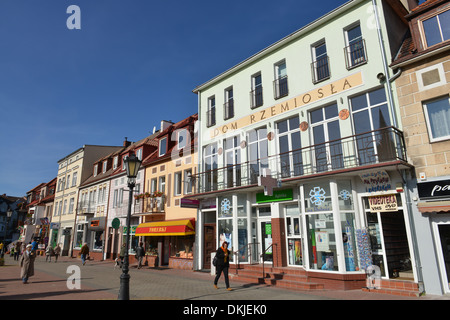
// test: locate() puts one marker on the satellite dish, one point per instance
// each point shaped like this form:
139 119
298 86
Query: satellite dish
373 277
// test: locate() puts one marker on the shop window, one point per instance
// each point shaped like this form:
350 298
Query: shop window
317 197
98 242
225 230
348 225
293 232
322 242
345 195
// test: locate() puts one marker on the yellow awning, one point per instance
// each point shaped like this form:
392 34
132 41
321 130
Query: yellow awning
166 228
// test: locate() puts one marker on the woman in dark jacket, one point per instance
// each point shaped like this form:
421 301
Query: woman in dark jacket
223 263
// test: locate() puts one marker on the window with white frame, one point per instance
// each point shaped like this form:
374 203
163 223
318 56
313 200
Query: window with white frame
437 114
280 83
71 204
210 164
162 146
67 182
139 154
105 164
95 170
211 112
355 47
74 179
256 95
228 107
115 162
162 184
177 183
187 181
320 64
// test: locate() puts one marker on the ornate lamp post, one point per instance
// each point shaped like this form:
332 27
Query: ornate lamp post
132 164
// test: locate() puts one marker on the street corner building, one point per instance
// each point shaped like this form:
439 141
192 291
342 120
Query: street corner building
304 167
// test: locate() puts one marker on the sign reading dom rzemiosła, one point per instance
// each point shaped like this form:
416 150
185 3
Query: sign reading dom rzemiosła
301 100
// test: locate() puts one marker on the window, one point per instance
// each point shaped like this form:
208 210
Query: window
116 193
95 170
71 203
257 152
153 185
370 113
437 114
139 154
320 65
291 163
177 184
68 180
210 167
162 184
228 107
123 162
355 52
182 138
280 85
65 207
437 29
105 164
188 181
211 112
115 162
325 128
162 146
256 95
74 179
232 160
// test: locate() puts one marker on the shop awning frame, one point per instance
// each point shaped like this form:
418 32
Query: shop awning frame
435 206
182 227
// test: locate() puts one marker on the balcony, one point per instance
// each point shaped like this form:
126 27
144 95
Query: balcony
149 205
383 146
228 109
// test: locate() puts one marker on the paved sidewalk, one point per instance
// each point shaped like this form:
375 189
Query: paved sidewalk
100 281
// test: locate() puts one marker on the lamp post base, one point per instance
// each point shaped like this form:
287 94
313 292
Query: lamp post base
124 291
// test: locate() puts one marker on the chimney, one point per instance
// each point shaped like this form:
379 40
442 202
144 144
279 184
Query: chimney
126 143
165 124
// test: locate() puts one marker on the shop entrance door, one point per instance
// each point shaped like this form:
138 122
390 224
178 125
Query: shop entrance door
265 232
209 244
389 242
444 234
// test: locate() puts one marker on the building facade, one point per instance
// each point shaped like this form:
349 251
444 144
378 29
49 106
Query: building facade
303 159
168 223
423 89
73 170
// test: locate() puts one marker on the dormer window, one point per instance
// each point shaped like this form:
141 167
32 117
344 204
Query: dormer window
162 146
95 170
182 138
436 29
105 165
139 154
123 162
115 162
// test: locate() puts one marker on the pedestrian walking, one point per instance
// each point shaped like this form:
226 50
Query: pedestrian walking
122 254
49 253
17 247
34 245
140 253
27 264
57 252
84 253
2 247
223 264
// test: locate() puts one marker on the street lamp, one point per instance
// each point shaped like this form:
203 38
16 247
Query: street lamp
132 164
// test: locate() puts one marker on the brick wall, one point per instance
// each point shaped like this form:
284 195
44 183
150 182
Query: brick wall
433 159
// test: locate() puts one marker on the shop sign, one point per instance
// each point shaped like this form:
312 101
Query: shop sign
54 225
434 189
302 100
189 203
383 203
376 181
115 223
278 195
132 230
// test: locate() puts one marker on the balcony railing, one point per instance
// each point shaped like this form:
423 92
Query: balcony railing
228 109
149 205
320 69
370 148
280 87
355 54
211 117
256 97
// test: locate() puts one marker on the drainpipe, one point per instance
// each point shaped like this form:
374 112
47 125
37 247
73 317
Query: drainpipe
385 65
199 244
403 174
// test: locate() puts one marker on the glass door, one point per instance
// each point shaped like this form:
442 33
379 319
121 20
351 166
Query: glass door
375 232
266 239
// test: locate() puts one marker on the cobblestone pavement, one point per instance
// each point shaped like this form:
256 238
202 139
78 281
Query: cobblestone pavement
100 281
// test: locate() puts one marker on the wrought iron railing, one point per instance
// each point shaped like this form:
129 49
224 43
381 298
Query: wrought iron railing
369 148
320 69
149 205
256 97
280 87
355 54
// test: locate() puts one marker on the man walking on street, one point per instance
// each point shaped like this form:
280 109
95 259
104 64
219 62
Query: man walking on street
140 253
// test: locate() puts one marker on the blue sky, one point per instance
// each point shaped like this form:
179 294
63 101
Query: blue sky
132 64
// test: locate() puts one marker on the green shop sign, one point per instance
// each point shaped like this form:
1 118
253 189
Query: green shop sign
278 195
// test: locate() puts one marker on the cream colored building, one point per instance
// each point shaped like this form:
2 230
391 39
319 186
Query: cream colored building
73 169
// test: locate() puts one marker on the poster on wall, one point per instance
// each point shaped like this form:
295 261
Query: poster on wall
383 203
375 181
364 249
322 241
